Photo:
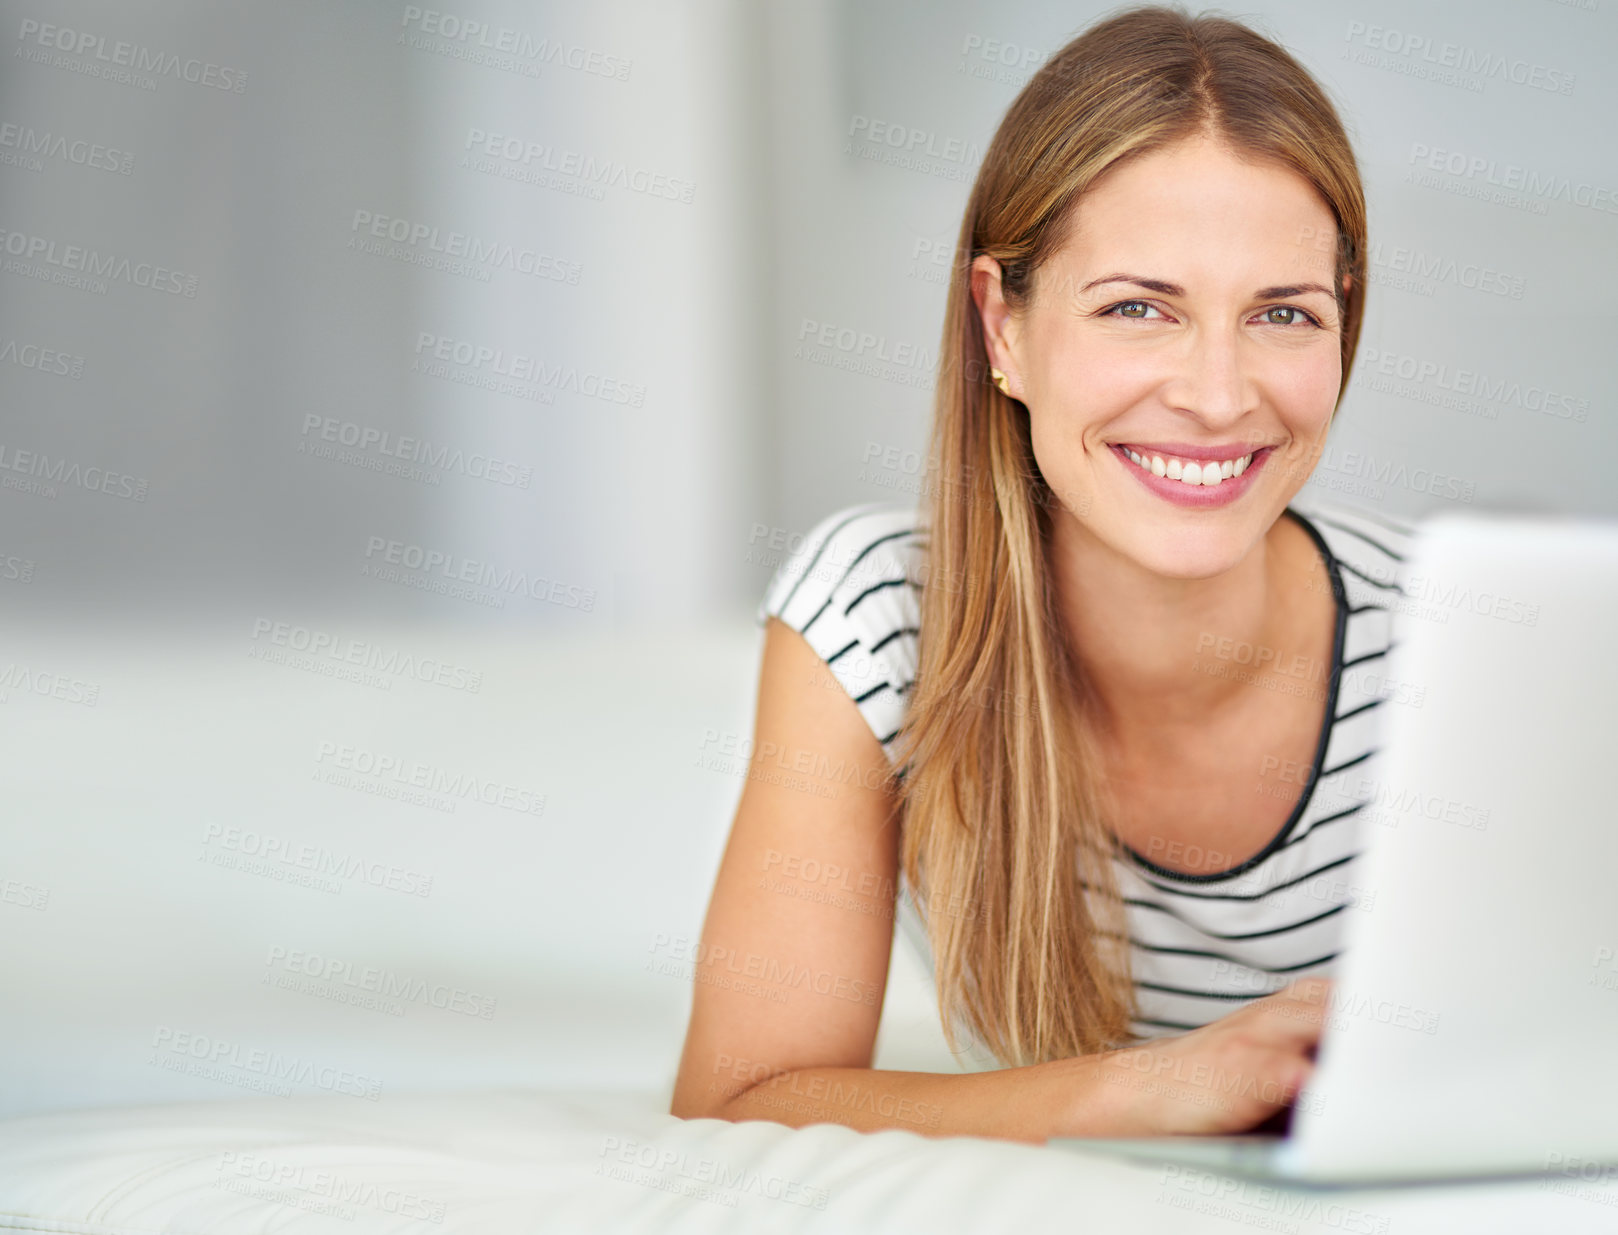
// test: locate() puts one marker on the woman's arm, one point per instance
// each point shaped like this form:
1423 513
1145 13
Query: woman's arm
792 968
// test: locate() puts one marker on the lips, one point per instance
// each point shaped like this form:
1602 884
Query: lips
1190 475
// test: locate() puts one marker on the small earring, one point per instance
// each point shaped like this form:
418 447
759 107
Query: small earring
1001 381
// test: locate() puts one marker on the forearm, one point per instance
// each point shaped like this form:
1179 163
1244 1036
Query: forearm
1067 1097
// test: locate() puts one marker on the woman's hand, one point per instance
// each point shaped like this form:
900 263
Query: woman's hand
1227 1077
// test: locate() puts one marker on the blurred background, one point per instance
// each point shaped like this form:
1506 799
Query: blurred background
402 410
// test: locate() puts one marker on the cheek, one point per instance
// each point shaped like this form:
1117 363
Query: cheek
1304 390
1084 382
1080 386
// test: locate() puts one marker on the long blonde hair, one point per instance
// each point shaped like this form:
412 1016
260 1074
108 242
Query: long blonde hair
1005 846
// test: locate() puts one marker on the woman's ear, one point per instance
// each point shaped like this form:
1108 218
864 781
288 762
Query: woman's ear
1001 326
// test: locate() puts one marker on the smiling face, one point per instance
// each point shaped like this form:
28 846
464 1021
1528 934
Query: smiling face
1185 331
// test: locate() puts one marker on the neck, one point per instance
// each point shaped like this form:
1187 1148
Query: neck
1146 643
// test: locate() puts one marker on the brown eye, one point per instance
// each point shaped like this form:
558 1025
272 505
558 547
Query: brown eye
1137 309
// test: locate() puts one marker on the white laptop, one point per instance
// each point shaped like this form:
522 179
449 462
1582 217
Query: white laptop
1474 1023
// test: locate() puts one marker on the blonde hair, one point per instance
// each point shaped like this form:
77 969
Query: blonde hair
1002 807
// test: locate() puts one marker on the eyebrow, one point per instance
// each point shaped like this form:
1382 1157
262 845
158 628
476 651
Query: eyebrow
1174 289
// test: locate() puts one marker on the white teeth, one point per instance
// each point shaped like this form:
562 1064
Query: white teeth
1190 472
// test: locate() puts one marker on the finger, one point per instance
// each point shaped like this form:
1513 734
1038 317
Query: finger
1288 1022
1308 990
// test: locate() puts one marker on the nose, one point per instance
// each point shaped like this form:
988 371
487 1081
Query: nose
1211 380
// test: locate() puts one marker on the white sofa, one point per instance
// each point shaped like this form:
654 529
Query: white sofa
250 986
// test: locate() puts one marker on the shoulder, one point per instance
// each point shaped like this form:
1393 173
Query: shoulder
851 586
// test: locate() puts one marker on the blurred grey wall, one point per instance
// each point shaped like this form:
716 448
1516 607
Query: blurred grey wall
327 286
510 313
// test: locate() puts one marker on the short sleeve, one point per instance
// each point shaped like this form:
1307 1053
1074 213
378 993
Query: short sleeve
852 589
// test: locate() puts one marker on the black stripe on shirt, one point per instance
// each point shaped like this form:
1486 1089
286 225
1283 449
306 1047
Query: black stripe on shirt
1279 930
1251 896
875 587
1355 532
847 647
879 540
1364 707
875 690
1341 766
1320 823
1175 990
885 536
1360 574
815 561
1381 520
1231 960
889 638
1360 660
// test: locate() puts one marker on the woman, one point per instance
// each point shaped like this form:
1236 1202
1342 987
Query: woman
1101 716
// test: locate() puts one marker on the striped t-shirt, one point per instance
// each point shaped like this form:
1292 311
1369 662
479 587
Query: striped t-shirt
1200 945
